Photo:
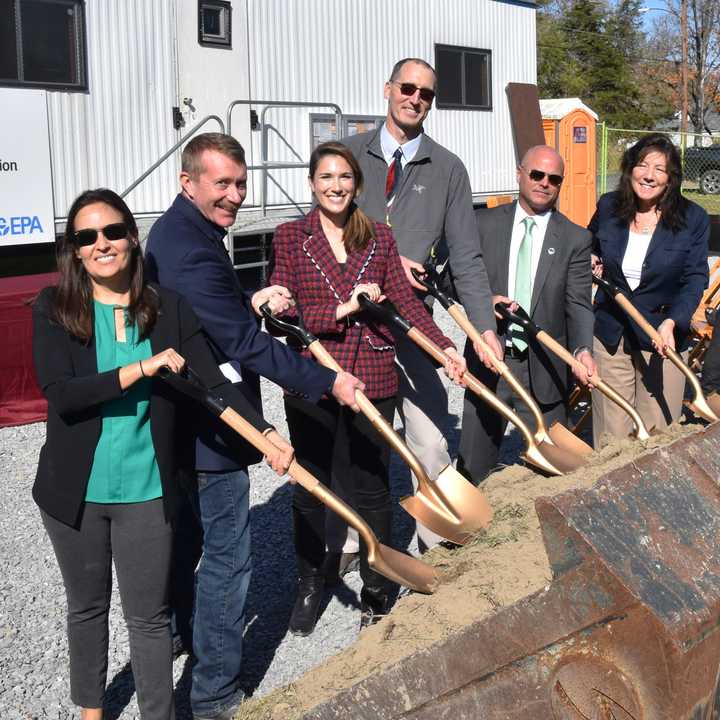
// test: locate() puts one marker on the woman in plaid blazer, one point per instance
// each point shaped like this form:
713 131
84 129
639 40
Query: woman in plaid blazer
325 261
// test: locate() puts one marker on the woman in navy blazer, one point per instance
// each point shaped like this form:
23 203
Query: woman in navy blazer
108 475
652 243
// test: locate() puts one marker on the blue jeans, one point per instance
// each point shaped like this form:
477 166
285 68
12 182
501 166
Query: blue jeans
222 584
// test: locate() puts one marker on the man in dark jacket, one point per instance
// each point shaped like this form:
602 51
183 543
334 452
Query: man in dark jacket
185 252
538 258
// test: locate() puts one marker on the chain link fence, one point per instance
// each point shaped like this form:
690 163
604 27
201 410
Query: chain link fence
700 156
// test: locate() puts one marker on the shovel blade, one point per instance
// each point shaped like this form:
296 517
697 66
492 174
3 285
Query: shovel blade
562 459
702 409
713 400
567 440
425 511
464 499
403 569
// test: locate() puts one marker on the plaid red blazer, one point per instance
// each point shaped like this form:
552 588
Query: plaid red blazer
304 263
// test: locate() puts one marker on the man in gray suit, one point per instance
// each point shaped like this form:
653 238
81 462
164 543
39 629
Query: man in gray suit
422 191
537 258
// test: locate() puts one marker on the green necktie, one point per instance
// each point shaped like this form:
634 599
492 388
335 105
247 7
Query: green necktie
523 282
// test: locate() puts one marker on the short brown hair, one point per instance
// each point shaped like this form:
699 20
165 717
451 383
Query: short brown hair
398 66
359 229
219 142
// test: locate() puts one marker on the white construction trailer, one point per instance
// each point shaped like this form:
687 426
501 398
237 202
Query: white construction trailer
124 83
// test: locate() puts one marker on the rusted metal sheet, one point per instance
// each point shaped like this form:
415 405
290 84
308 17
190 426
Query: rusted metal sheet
627 630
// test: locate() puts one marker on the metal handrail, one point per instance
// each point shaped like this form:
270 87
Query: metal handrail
159 162
279 103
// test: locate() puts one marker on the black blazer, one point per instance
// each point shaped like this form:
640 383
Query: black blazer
561 297
67 373
674 275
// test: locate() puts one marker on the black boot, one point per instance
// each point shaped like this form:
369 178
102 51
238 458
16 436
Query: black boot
376 590
309 555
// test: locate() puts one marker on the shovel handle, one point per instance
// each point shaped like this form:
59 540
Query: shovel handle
475 386
300 474
472 332
597 381
701 406
378 421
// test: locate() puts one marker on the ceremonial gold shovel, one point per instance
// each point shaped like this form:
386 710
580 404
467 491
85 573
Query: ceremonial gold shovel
552 463
450 506
699 404
520 317
573 447
394 565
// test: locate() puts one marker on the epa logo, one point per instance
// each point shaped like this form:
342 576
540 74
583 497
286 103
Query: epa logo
20 225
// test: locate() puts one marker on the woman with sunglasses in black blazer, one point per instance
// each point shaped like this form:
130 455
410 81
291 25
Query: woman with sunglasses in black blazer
652 243
108 477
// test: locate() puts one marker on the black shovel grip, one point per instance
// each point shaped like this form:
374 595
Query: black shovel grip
299 333
519 317
610 288
430 283
189 383
386 313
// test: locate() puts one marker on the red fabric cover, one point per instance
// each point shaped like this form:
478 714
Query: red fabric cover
21 401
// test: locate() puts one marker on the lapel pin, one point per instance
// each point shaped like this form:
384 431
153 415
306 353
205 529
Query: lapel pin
551 251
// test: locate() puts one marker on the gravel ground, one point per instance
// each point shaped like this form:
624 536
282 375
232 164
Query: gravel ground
33 647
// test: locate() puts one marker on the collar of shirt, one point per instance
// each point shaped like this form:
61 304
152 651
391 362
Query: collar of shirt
210 229
541 222
389 145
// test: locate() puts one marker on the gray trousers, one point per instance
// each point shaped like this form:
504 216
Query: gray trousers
139 541
483 428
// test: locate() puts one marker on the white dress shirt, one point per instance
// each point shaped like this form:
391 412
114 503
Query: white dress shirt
518 233
389 145
634 257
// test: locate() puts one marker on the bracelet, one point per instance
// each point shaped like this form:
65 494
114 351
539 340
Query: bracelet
142 372
267 431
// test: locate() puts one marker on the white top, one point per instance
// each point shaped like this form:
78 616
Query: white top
518 233
389 145
634 257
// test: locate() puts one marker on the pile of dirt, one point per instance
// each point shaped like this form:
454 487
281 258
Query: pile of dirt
495 569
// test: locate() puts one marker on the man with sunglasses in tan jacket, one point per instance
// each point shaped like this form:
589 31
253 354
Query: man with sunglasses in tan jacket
423 192
537 258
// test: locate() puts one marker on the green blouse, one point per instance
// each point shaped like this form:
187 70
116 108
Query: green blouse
124 467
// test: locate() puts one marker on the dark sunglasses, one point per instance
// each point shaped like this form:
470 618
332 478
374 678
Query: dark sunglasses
539 175
88 236
408 89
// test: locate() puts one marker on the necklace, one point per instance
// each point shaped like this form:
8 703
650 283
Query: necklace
646 226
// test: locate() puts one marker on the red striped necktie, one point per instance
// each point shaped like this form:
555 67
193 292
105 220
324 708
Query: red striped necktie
394 176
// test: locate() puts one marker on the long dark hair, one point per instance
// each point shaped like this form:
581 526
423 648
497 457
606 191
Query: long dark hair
74 296
358 229
671 204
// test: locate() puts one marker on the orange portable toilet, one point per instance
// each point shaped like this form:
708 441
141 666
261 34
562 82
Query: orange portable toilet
569 127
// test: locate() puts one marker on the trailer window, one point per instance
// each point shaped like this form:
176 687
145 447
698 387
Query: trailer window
43 44
322 126
215 23
464 78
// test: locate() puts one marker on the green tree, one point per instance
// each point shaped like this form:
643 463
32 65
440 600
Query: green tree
594 51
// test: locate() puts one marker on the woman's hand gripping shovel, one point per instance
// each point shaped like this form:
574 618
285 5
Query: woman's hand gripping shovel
520 317
706 408
394 565
388 315
572 446
451 506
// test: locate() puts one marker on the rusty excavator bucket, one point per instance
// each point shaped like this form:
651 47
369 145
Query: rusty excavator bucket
626 629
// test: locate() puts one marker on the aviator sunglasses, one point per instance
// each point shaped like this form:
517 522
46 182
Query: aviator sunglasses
408 89
539 175
88 236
